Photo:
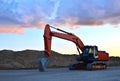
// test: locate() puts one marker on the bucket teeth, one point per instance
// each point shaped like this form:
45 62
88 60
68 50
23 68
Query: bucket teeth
42 63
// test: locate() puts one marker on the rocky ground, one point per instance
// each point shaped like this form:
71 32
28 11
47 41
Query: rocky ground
27 59
61 74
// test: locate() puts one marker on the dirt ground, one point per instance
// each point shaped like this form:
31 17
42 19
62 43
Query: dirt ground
61 74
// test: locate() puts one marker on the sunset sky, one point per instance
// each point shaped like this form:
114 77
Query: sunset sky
96 22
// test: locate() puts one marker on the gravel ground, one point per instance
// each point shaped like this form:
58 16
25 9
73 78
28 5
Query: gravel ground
61 74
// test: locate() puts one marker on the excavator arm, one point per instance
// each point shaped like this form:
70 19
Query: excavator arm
65 35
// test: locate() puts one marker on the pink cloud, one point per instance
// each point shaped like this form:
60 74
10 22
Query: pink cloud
10 29
73 15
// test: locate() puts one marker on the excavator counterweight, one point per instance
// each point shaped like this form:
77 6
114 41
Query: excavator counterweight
90 57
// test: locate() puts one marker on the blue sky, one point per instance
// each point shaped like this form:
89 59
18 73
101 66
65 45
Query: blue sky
105 37
96 22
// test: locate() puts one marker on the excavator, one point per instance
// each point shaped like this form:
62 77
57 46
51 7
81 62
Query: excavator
89 58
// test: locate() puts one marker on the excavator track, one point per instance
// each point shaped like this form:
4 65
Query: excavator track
96 66
89 66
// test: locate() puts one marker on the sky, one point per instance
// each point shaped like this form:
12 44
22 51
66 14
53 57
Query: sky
95 22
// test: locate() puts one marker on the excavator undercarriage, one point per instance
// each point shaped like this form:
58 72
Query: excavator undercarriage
89 66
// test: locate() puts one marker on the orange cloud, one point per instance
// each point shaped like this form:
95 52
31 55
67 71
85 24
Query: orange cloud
19 29
10 29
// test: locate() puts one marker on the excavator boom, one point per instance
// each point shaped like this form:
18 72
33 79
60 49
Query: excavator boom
65 35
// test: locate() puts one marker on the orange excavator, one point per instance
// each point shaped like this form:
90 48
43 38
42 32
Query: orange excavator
90 57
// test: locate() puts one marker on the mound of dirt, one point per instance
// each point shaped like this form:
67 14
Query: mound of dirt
28 59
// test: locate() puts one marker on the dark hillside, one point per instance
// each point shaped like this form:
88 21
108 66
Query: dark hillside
27 59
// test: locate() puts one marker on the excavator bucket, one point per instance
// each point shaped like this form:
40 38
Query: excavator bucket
42 63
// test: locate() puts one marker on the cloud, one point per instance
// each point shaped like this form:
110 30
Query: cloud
69 13
89 12
12 29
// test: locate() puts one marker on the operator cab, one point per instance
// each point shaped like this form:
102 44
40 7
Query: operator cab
90 54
